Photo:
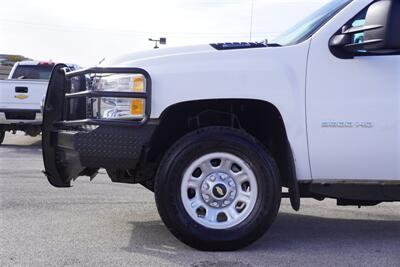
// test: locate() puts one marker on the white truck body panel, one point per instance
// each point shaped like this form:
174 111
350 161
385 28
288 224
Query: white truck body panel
36 91
10 100
275 75
353 110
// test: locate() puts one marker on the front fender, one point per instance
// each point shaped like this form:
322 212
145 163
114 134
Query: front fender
273 74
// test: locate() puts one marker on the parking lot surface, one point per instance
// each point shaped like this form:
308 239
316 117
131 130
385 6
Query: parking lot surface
99 223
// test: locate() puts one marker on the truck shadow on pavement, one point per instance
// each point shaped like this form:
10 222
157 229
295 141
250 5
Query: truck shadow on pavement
296 233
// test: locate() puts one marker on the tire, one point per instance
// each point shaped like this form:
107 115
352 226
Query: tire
189 216
2 135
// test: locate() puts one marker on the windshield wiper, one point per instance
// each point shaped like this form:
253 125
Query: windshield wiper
274 45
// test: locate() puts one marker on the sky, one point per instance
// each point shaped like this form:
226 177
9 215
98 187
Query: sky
86 31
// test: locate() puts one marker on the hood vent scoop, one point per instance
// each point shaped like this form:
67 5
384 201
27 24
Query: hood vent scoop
241 45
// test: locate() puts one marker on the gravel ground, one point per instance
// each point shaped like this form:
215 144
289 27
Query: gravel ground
99 223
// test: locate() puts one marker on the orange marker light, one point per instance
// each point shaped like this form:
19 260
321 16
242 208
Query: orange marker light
137 107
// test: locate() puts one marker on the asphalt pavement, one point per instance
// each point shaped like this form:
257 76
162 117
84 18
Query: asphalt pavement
100 223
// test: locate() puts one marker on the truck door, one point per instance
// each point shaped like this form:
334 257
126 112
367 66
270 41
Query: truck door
353 109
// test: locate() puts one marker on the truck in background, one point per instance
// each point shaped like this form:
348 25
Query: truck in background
21 95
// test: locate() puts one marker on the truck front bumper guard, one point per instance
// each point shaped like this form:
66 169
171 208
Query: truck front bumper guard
75 143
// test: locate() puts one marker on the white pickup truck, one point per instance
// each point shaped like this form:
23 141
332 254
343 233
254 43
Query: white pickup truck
20 97
217 131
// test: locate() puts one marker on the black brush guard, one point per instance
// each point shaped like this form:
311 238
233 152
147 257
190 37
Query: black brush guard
76 144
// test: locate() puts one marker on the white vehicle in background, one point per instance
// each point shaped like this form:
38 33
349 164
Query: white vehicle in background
21 96
218 130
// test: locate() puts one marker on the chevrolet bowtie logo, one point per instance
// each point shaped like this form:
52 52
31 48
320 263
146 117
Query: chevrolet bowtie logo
220 191
21 97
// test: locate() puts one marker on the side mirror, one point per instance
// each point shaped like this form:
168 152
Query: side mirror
384 13
380 31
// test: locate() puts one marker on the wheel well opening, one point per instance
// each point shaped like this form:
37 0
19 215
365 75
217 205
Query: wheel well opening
259 118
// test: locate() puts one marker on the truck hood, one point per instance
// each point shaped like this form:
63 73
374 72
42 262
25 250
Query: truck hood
156 53
180 51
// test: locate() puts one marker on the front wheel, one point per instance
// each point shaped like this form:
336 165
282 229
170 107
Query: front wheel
217 189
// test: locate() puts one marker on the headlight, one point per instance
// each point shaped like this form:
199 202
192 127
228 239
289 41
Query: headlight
119 108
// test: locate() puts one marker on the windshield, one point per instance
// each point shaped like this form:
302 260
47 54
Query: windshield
308 26
40 72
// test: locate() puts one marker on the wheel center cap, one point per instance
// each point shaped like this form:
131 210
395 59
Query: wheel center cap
219 190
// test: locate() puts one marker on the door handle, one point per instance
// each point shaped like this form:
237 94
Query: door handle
21 89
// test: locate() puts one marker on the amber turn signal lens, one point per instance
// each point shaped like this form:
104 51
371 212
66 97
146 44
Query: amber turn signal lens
137 107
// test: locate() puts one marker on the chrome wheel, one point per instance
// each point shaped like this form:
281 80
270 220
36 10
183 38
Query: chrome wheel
219 190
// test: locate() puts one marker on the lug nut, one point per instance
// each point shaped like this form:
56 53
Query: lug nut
223 176
231 183
206 197
205 186
212 178
226 202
